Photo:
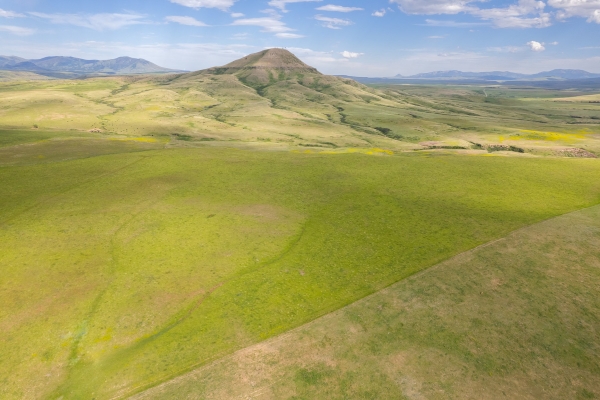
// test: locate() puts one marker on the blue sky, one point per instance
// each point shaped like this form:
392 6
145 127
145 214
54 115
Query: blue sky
353 37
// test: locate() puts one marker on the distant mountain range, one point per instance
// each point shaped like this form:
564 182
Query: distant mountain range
504 75
69 66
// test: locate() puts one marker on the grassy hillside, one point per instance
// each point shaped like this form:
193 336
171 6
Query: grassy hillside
517 318
151 225
273 99
121 271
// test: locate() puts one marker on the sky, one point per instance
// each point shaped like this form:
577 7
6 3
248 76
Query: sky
373 38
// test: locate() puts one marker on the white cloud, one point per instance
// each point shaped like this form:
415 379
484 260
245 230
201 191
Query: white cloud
507 49
287 35
452 24
536 46
267 23
348 54
331 7
271 24
436 37
219 4
589 9
282 3
10 14
237 15
523 14
333 23
97 22
16 30
185 21
430 7
379 13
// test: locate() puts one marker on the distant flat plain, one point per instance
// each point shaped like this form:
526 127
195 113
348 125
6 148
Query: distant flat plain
150 226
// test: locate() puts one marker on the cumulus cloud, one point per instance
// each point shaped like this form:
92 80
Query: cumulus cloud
16 30
219 4
331 7
271 24
237 15
333 23
185 21
379 13
536 46
349 54
10 14
524 14
589 9
282 3
99 22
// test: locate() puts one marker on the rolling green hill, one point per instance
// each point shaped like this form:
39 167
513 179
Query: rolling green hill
152 225
272 99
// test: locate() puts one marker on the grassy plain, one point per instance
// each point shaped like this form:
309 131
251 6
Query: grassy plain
124 270
150 225
517 318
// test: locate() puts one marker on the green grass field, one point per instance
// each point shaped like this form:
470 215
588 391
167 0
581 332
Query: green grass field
152 225
121 271
516 319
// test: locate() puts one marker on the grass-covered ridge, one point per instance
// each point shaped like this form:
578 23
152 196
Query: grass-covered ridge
124 270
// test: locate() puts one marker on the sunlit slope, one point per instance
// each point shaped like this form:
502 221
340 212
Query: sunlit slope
122 271
518 318
274 99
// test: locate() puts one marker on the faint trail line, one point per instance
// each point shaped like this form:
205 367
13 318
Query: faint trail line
169 377
75 186
74 352
195 305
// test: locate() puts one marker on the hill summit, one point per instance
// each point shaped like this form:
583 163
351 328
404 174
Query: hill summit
270 59
265 67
